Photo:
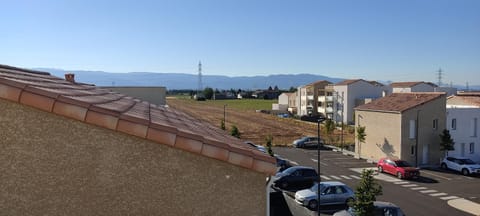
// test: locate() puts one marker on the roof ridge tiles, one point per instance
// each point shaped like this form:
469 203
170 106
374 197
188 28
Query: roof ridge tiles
129 115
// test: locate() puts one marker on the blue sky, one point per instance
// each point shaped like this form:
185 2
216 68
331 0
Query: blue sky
406 40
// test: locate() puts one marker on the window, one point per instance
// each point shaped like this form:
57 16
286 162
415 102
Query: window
435 124
412 129
412 150
454 124
473 127
472 148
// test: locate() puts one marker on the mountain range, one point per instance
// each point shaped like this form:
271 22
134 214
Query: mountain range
178 81
190 81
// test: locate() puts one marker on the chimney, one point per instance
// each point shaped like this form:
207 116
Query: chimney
70 77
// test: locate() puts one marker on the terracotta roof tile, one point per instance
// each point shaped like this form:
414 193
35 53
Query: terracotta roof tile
347 82
125 114
400 102
469 99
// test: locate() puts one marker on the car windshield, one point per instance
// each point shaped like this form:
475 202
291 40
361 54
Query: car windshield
402 163
466 161
289 170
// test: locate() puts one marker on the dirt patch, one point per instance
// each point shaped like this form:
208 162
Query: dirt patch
253 126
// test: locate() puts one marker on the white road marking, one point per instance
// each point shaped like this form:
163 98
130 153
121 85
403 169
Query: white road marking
410 185
449 197
428 191
418 188
355 177
335 177
294 163
325 177
438 194
315 160
345 177
401 182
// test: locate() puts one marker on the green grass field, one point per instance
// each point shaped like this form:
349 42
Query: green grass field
239 104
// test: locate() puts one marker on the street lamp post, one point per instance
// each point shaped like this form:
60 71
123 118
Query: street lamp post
319 120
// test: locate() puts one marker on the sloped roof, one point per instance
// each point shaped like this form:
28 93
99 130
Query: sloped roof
319 82
400 102
348 82
409 84
473 100
111 110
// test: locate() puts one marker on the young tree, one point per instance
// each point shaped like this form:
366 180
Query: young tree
222 124
366 193
269 140
234 131
446 142
329 128
361 134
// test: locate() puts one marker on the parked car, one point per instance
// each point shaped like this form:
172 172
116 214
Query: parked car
331 193
381 209
258 147
460 164
296 177
307 141
282 163
399 168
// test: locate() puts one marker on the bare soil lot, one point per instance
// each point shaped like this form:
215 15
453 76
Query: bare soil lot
253 126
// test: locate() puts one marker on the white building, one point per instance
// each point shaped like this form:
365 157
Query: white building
463 114
352 93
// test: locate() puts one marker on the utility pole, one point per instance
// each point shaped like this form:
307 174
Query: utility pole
439 76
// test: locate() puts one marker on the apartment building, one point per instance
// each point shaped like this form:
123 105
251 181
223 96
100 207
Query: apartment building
463 114
311 98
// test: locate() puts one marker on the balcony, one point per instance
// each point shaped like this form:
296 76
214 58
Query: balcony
309 97
329 110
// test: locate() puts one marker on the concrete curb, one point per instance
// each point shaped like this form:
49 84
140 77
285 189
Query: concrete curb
465 205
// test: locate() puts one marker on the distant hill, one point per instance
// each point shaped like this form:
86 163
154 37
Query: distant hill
190 81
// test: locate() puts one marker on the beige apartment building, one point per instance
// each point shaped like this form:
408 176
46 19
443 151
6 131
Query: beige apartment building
403 125
311 98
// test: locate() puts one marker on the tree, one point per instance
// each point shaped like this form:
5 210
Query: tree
329 128
222 124
208 93
446 142
269 140
361 134
234 131
292 89
366 193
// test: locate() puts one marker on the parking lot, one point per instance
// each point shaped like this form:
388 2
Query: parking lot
436 192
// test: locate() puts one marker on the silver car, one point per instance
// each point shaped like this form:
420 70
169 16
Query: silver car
331 193
308 141
381 209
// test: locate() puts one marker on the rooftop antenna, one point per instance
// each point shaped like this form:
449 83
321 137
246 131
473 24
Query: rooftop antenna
439 75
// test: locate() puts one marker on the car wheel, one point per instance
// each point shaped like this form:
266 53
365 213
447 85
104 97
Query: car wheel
399 175
465 171
380 169
444 166
313 204
284 185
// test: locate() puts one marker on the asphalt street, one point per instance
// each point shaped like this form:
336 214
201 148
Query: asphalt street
428 195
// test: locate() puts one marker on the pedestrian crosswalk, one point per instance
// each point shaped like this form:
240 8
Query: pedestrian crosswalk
409 185
339 177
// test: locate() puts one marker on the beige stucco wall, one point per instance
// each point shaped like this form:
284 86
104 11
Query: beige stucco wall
387 134
51 165
383 137
428 138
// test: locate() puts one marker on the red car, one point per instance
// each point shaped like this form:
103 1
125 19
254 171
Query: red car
399 168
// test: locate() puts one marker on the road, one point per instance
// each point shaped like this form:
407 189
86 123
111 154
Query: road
427 195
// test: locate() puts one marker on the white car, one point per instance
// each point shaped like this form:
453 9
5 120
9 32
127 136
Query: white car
331 193
463 165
